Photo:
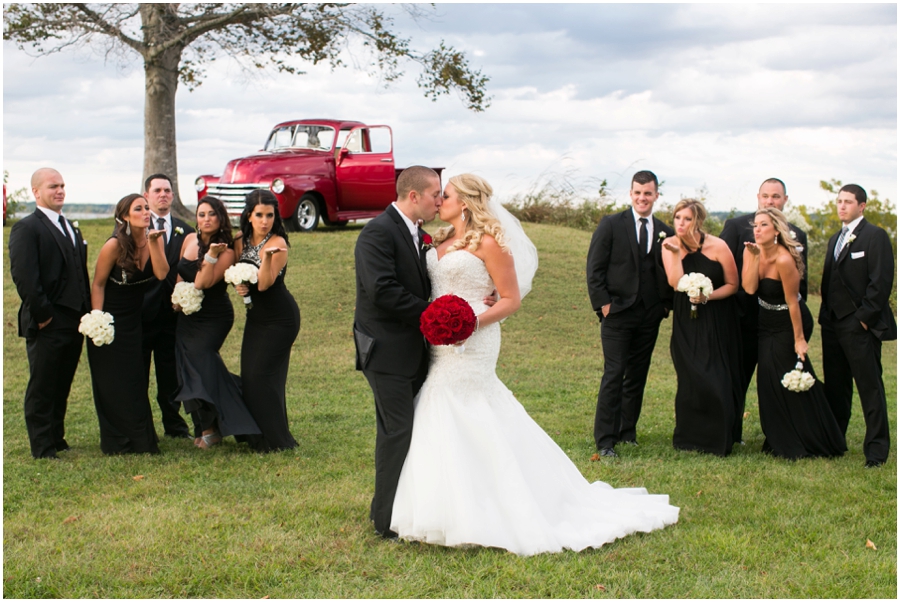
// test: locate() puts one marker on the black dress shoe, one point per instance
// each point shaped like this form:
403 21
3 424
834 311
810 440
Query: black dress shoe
179 435
874 464
608 452
389 535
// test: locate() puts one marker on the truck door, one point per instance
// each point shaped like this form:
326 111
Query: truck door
365 169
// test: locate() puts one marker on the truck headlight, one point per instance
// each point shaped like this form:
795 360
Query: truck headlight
199 184
277 185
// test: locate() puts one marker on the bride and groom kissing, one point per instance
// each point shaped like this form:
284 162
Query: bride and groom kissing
458 461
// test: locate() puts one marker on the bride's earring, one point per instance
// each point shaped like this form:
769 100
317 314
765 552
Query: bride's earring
464 215
128 229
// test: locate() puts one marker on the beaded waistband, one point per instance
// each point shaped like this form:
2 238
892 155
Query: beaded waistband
779 307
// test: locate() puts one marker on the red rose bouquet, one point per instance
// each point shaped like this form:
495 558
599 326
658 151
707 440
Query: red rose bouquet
447 321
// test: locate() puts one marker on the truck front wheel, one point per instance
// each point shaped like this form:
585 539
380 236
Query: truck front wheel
306 215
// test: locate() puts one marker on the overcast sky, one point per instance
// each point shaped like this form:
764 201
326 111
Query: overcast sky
721 96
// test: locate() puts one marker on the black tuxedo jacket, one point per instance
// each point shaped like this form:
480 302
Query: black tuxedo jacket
614 265
158 297
865 268
739 230
39 265
392 291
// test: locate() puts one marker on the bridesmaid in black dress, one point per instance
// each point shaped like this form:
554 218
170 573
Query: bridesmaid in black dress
796 424
705 350
206 387
128 261
273 321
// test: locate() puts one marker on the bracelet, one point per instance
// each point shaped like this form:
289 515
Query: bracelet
210 259
477 324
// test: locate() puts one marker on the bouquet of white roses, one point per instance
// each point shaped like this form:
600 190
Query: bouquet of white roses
798 380
187 297
242 273
98 326
695 284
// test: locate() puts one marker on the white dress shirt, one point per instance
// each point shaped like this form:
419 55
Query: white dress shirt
168 224
413 226
637 229
53 216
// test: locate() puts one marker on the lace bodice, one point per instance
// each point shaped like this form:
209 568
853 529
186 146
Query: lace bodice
462 274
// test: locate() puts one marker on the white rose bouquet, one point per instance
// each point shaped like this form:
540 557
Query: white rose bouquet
242 273
98 326
798 380
189 298
695 284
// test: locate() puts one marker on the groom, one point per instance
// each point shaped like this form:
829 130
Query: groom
392 291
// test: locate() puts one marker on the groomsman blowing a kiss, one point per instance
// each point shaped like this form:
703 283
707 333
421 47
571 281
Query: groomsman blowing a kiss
856 317
630 296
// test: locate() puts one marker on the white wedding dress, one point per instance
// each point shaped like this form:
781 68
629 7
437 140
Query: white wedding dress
481 472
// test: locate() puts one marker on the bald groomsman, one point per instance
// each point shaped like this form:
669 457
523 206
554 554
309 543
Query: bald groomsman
856 317
736 232
48 263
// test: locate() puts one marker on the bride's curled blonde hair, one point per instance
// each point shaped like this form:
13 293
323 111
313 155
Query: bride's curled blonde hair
475 193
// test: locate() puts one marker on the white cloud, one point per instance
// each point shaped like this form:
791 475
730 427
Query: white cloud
702 94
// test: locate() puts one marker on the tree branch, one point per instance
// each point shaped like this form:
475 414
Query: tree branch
109 29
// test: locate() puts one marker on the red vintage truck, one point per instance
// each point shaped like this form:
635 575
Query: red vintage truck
317 168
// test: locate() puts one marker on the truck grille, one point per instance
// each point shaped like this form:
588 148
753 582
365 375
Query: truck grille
233 195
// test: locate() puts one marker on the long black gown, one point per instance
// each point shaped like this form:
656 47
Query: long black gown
117 370
796 424
205 384
273 323
706 354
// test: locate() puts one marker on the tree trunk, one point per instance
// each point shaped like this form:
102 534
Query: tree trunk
161 83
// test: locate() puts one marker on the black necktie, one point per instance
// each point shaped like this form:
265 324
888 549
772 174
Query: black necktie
643 239
62 223
161 225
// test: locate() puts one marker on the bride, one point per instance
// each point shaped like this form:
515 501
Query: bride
480 471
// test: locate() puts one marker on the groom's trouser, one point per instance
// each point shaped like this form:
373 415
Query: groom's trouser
628 338
394 397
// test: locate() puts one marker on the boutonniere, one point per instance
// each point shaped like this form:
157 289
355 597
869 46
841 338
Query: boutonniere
851 238
179 230
661 236
75 225
427 243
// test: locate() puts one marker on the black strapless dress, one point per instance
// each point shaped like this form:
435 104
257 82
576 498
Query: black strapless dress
796 425
205 385
117 370
273 323
706 353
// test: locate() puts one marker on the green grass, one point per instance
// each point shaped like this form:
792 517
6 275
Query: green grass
231 523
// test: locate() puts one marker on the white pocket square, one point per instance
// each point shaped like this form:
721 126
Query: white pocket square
857 255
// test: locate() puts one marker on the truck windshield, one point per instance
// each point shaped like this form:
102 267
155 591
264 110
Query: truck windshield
315 137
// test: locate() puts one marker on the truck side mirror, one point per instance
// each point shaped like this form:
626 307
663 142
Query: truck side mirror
343 153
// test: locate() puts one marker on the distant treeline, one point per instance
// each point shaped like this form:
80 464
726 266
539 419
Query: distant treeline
80 208
564 207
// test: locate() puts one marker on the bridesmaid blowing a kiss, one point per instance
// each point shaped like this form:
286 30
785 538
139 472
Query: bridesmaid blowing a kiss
273 321
127 263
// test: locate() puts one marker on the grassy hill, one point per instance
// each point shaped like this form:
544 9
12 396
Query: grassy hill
231 523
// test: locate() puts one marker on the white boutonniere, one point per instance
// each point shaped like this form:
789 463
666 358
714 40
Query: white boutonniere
75 225
793 235
179 230
851 238
661 236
